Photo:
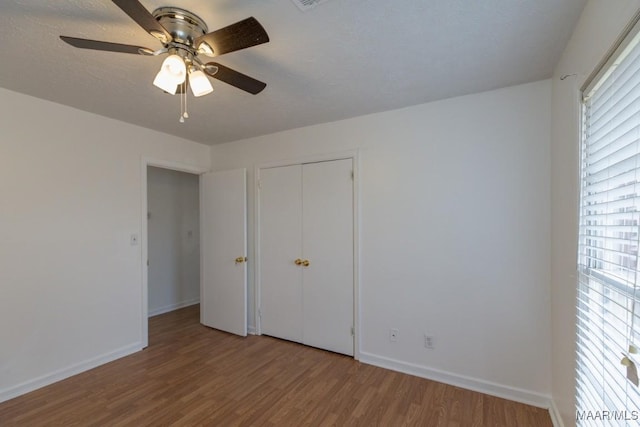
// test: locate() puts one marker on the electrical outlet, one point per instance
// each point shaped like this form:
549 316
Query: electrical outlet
393 335
429 342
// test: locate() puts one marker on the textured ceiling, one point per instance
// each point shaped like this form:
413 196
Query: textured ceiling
341 59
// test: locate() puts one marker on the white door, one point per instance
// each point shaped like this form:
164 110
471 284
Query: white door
306 215
281 245
223 227
328 247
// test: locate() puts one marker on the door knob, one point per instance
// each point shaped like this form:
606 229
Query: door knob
241 259
298 262
306 263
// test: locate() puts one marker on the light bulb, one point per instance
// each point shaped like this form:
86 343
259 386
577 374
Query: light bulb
199 83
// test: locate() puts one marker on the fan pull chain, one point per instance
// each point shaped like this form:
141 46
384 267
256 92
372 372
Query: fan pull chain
181 120
183 104
185 114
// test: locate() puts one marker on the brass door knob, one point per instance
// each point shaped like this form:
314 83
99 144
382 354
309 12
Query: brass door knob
306 263
298 262
241 259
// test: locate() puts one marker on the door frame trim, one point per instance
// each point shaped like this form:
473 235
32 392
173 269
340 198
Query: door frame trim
354 155
144 237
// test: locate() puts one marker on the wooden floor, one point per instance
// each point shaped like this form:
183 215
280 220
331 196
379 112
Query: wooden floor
194 376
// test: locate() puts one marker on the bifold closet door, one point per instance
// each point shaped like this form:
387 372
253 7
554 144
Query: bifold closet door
306 254
327 218
280 246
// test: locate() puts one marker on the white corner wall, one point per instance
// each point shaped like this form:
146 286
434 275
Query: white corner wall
454 234
174 239
599 26
70 199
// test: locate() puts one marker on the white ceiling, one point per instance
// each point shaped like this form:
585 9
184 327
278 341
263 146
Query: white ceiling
341 59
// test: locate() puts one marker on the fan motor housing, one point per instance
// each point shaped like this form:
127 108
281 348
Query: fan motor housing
183 25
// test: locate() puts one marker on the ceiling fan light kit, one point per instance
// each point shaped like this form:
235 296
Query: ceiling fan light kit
185 38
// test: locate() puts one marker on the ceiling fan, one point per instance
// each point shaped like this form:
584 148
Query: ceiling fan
185 38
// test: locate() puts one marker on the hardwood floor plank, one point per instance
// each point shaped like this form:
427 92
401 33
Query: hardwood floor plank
192 375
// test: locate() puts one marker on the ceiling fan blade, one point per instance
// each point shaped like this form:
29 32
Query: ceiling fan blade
106 46
241 35
235 78
144 18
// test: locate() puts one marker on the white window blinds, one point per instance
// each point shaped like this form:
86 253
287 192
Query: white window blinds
608 323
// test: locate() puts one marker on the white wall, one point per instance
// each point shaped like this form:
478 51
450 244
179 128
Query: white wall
455 206
599 26
174 239
70 198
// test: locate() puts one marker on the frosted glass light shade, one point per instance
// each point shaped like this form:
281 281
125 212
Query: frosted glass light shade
172 74
166 82
174 66
199 83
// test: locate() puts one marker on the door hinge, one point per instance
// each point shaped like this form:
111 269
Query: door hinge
260 184
260 314
353 331
352 176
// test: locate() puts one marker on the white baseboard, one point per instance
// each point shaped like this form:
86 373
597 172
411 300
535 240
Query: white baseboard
172 307
61 374
556 418
482 386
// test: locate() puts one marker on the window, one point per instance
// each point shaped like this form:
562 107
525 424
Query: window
608 323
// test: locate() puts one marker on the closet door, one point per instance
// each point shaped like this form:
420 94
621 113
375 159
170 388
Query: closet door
327 232
280 245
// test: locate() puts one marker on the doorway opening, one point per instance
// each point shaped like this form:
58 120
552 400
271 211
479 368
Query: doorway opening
170 239
173 231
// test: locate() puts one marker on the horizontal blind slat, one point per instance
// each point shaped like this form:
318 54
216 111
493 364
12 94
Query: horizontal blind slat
625 72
